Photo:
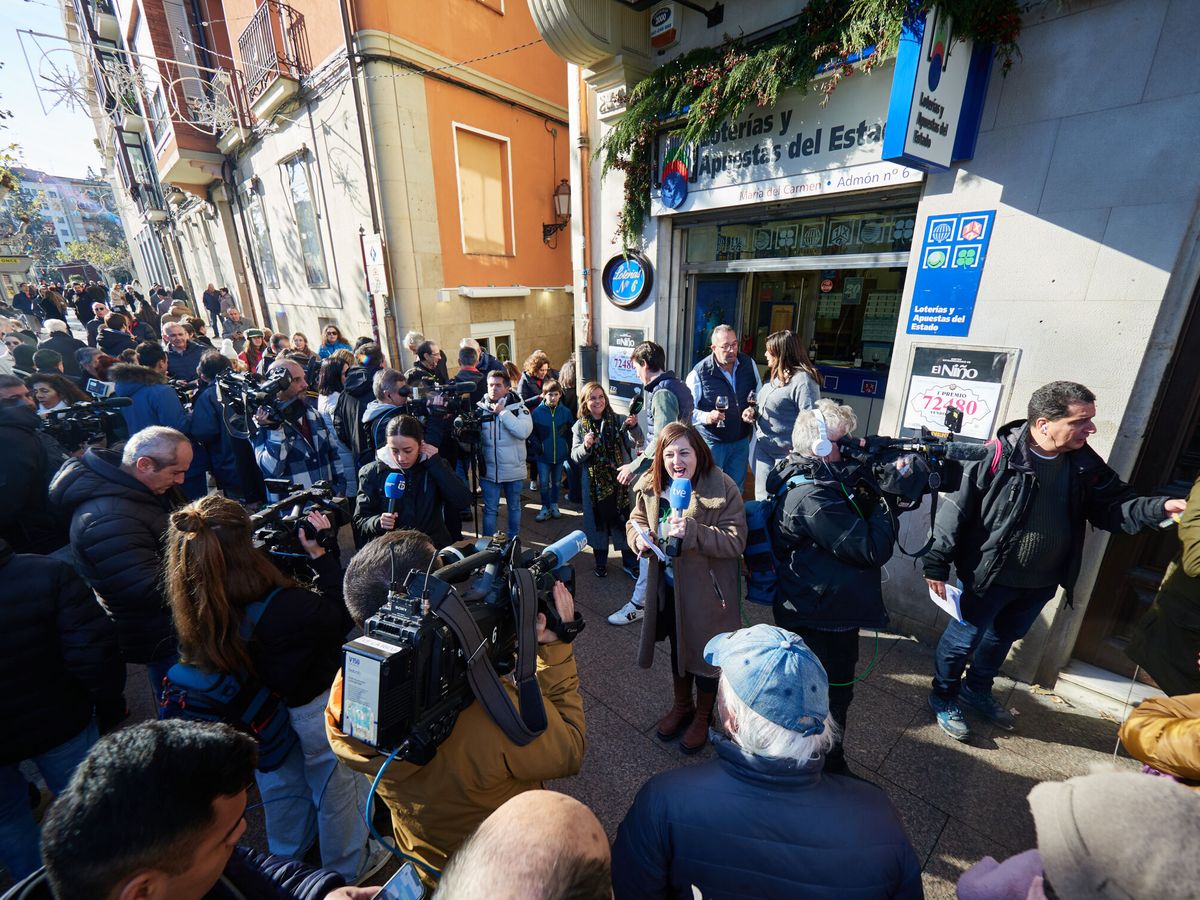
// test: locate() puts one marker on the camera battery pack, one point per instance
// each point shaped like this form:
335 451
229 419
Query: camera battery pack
376 691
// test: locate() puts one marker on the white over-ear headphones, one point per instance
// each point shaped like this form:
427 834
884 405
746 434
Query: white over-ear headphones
821 446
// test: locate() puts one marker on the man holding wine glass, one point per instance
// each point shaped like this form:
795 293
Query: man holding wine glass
724 385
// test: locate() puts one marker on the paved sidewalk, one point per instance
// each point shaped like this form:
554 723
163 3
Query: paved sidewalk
959 802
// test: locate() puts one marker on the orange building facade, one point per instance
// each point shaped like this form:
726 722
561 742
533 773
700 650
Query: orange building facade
278 132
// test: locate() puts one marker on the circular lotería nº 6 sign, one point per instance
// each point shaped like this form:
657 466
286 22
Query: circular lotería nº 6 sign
627 279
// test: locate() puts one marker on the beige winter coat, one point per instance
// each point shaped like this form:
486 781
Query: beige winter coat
708 590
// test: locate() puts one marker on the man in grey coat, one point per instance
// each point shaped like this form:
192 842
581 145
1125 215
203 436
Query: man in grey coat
503 448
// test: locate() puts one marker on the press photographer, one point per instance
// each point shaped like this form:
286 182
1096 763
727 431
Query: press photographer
832 532
408 485
29 461
478 766
292 441
291 645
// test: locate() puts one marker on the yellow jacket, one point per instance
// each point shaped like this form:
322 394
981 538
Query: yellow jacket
436 807
1164 732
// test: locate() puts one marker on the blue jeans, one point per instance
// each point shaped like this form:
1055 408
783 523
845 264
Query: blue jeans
992 623
733 459
491 505
311 794
18 832
549 481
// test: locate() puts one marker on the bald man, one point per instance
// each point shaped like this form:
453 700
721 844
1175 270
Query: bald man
562 848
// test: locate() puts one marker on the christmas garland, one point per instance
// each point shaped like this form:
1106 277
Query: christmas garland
710 85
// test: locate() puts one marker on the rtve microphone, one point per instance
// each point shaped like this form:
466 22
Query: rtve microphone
393 489
679 496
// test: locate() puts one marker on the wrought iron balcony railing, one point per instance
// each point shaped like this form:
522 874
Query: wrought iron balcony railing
274 45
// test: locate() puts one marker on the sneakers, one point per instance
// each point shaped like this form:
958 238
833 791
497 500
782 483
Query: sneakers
627 614
601 573
631 570
378 856
543 515
949 717
533 485
988 707
555 511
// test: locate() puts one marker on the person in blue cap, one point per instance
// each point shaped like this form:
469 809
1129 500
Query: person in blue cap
763 819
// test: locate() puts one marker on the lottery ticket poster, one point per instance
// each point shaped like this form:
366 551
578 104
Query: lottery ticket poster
971 379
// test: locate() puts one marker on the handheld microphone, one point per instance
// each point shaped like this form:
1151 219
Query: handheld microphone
393 489
560 553
679 496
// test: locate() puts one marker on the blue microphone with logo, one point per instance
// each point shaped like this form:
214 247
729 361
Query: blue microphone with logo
560 553
679 496
393 489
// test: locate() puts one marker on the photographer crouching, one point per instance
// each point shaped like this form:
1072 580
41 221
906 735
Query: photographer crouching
832 533
477 767
238 615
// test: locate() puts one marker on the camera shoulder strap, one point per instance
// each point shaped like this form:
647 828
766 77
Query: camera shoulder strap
519 727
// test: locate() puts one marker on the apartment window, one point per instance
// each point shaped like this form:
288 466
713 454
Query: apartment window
262 239
158 115
306 221
496 338
485 208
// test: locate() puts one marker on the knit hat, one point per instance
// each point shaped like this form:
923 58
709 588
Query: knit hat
227 349
774 673
1118 836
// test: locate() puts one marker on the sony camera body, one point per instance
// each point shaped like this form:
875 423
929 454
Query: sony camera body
445 408
277 527
408 678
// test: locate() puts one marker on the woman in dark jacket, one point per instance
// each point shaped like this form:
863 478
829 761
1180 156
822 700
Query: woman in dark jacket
431 489
832 533
213 572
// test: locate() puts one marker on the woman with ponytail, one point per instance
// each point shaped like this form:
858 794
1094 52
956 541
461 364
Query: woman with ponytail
213 573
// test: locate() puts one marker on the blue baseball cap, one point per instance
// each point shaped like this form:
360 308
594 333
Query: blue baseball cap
774 673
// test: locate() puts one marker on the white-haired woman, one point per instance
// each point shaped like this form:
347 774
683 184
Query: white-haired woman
832 533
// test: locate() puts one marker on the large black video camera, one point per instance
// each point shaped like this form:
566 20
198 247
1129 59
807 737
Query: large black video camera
446 637
88 424
241 394
445 408
277 527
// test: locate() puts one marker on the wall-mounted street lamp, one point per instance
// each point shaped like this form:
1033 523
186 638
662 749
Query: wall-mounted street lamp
562 211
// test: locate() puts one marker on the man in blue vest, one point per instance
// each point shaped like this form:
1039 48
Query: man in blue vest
732 375
667 400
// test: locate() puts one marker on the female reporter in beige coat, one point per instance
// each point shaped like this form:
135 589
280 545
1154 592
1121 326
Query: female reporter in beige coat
696 594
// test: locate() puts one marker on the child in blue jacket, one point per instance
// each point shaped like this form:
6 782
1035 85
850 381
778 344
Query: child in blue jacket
551 442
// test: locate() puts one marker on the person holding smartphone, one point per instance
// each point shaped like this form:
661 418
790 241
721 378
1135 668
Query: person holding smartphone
431 490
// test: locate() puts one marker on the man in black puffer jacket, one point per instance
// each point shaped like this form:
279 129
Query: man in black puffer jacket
60 668
29 461
119 504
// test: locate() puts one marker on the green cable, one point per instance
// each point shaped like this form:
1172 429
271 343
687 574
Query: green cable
870 669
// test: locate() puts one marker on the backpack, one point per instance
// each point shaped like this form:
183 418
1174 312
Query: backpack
762 576
191 693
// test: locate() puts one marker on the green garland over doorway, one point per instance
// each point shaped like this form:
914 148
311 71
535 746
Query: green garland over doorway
700 89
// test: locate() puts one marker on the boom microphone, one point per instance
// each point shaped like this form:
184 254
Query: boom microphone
393 489
965 452
679 496
959 451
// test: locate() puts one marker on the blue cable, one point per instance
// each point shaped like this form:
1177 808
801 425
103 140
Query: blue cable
396 851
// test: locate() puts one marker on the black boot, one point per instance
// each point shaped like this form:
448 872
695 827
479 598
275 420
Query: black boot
601 562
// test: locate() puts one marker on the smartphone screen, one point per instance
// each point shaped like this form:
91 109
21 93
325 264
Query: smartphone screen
404 885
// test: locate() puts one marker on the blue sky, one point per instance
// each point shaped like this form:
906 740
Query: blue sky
59 142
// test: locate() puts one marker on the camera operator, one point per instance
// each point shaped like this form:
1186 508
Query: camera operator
430 486
28 463
208 428
414 342
506 428
833 533
1014 531
477 768
391 397
118 504
297 445
213 572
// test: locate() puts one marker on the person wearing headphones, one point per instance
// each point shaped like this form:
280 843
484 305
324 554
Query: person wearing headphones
832 533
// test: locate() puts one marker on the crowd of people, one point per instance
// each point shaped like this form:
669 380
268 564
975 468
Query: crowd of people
136 546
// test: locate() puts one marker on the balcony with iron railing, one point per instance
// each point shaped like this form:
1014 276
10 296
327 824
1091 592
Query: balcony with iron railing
274 53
